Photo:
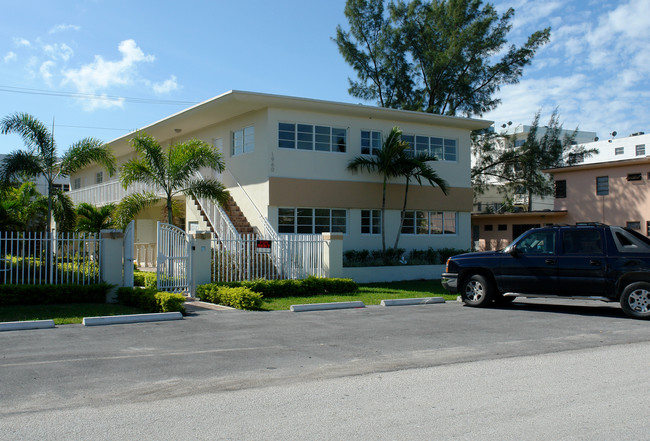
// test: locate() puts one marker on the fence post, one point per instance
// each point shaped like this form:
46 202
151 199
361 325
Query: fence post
332 254
201 259
111 261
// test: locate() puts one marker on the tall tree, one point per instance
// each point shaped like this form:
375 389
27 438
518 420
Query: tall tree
93 219
40 159
440 56
418 168
388 163
498 160
172 171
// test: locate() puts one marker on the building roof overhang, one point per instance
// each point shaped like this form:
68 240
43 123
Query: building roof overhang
599 165
235 103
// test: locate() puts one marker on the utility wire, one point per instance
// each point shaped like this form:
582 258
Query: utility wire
93 96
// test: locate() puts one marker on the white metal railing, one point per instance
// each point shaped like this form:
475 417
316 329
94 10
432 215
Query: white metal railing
301 255
269 231
110 192
40 258
174 262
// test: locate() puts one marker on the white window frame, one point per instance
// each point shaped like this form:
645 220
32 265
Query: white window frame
310 137
639 149
425 143
76 184
371 150
432 223
374 222
313 220
243 141
99 177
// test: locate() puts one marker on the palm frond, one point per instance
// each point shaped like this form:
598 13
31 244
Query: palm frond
208 188
63 211
20 164
131 205
34 133
151 153
188 157
137 170
87 151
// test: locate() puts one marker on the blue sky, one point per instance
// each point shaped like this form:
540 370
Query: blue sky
150 60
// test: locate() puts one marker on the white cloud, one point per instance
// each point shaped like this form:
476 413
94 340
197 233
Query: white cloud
10 56
63 28
166 86
102 74
20 42
58 51
46 71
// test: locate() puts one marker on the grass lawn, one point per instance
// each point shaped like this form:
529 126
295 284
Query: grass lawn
63 314
369 293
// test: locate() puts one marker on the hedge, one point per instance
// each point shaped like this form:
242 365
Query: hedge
398 256
236 297
48 294
144 278
151 300
310 286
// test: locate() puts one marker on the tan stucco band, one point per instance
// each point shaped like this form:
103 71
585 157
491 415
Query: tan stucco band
288 192
522 215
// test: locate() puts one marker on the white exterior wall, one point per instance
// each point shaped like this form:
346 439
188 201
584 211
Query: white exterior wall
607 149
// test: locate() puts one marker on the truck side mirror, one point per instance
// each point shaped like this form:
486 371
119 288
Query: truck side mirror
514 252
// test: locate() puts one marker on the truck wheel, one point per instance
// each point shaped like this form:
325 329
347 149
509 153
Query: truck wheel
476 291
635 300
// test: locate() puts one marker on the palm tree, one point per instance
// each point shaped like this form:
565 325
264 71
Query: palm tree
417 167
93 219
40 159
386 162
174 171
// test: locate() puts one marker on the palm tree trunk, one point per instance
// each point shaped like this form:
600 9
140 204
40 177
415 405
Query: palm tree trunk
401 221
169 210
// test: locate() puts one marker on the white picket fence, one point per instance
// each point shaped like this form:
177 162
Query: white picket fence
252 257
46 258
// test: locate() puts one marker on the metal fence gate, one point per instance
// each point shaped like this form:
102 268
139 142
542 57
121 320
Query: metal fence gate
174 259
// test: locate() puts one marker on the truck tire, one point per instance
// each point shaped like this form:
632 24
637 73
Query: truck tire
477 291
635 300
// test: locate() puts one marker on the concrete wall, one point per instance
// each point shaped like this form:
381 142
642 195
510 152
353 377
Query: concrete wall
393 273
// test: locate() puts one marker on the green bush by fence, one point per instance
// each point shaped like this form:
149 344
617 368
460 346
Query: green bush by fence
235 297
294 288
151 300
144 278
398 256
48 294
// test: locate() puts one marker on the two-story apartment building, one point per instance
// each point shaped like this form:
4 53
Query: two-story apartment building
286 162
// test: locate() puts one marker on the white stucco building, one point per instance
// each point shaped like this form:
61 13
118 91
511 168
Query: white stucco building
286 162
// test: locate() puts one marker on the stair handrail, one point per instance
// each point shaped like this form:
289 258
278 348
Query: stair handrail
268 228
217 217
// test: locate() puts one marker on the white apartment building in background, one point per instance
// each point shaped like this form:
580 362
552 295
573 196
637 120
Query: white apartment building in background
286 166
62 183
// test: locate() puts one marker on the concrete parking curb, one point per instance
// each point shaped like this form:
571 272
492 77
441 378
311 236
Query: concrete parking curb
406 302
326 306
31 324
133 318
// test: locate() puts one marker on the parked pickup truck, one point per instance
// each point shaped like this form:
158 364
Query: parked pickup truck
590 261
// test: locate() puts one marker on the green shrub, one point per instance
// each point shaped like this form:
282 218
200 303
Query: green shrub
310 286
48 294
396 256
236 297
145 278
151 300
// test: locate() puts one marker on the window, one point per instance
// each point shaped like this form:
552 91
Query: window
243 140
582 241
520 142
602 185
311 137
634 176
503 227
640 150
576 158
429 222
312 220
539 242
370 221
488 227
99 177
560 189
619 151
76 184
442 148
370 142
635 225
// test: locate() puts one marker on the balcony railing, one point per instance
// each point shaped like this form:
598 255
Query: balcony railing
109 192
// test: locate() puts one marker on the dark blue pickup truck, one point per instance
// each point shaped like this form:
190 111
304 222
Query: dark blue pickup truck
591 261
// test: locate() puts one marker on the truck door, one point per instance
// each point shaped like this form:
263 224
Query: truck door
582 262
531 266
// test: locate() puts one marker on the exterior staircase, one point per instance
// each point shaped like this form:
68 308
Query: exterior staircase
235 214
